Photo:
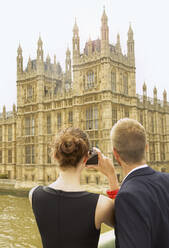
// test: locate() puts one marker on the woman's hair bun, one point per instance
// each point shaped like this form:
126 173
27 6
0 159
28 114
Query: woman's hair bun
68 145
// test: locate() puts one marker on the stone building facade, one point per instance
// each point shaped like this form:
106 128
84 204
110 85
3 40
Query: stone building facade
101 91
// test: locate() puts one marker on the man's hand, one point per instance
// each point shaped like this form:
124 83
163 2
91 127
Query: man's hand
105 166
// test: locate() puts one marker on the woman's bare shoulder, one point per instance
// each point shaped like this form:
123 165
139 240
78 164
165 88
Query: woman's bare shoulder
31 192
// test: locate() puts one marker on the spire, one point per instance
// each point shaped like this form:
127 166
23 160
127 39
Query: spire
164 96
89 46
68 65
155 91
4 112
40 49
118 46
67 52
104 27
55 59
75 28
76 43
130 33
104 16
19 49
14 109
144 87
40 43
29 64
19 60
48 59
104 35
130 47
155 95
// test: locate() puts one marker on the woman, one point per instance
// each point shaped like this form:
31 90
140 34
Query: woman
68 216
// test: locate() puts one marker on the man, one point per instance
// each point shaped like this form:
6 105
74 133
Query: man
142 203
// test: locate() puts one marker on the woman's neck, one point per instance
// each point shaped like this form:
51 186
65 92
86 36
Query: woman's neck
68 180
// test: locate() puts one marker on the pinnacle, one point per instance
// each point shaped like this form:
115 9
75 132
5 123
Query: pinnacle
104 16
40 40
75 28
19 48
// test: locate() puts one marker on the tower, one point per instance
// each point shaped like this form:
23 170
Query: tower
19 61
76 43
104 35
130 47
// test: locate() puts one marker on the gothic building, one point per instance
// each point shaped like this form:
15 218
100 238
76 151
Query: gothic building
101 91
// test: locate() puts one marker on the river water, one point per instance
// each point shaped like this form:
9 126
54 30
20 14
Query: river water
17 223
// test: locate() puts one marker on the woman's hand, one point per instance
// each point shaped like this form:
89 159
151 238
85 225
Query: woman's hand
105 166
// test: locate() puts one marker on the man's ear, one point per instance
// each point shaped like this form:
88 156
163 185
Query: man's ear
116 155
147 147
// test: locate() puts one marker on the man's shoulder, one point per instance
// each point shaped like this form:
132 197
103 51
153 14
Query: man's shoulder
146 185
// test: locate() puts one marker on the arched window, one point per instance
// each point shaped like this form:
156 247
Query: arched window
90 79
48 124
152 151
113 81
162 151
114 115
29 91
92 117
151 122
125 83
48 155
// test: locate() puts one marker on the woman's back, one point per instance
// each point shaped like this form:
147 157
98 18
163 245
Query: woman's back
66 219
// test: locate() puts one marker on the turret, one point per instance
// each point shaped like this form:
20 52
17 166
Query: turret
68 65
104 35
76 43
118 46
19 61
130 47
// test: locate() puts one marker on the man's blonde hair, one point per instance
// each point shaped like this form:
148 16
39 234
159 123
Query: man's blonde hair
129 139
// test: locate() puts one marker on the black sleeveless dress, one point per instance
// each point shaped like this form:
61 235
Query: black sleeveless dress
65 219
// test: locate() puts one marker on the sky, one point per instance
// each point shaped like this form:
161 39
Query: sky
21 21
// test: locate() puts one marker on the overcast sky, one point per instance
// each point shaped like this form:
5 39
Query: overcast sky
22 21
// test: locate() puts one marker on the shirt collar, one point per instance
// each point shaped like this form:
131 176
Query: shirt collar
137 168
